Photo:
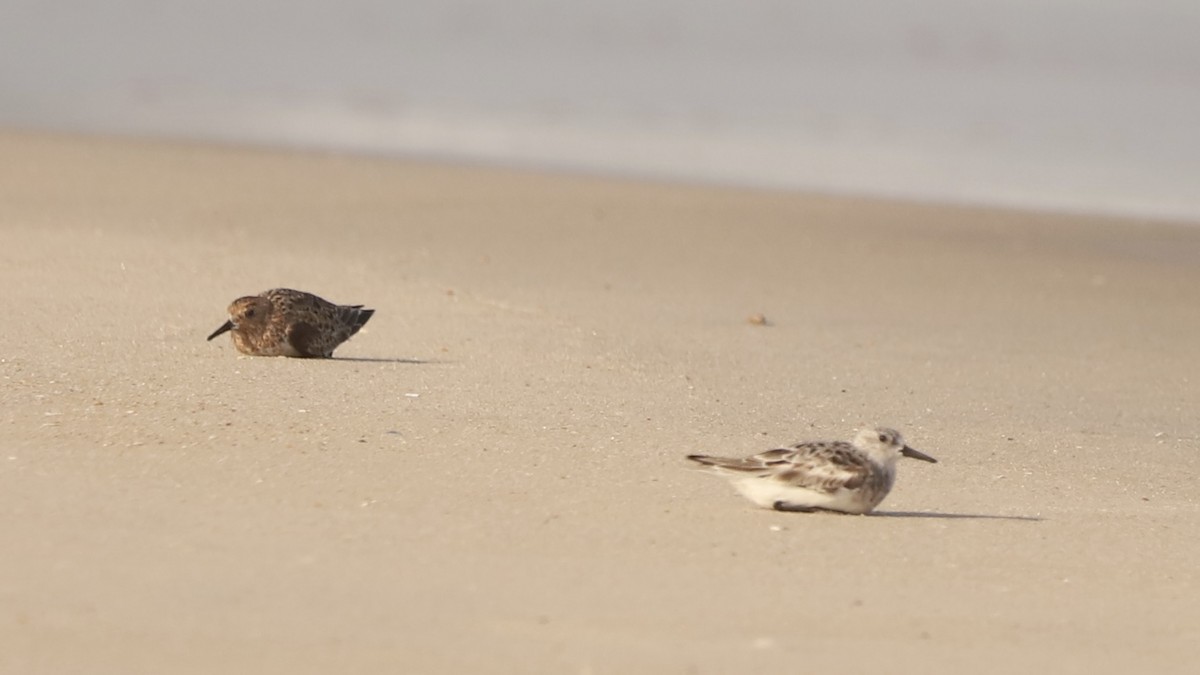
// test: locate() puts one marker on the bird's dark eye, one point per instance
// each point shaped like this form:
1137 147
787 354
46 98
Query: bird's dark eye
883 438
250 315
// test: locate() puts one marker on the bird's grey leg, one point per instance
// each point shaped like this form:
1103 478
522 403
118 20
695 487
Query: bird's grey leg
793 508
796 508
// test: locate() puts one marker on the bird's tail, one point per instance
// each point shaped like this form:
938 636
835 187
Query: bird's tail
726 465
356 317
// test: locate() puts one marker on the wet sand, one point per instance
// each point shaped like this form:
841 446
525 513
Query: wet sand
490 477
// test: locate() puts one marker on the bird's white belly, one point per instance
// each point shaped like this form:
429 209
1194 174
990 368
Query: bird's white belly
766 492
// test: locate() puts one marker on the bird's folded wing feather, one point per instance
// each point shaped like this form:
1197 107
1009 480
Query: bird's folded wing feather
819 467
761 463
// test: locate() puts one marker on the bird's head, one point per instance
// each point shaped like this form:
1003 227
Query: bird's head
246 313
886 445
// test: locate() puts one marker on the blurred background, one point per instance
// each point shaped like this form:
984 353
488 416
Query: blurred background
1088 106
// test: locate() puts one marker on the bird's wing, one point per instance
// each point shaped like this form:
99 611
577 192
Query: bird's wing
761 463
305 339
823 467
285 299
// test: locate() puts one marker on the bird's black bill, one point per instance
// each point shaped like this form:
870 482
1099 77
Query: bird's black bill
227 326
917 454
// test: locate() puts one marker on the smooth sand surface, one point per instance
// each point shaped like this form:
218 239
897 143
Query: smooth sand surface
490 477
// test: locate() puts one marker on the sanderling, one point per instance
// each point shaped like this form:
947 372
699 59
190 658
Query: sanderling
283 322
820 475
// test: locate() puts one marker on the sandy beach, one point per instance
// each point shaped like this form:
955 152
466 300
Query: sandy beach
489 478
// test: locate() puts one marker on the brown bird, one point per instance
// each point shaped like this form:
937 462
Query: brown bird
283 322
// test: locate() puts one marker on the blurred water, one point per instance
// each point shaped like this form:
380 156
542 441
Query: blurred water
1064 104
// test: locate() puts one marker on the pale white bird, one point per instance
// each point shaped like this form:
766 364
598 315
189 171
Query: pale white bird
849 477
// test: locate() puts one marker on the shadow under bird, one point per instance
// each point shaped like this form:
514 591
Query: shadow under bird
849 477
284 322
